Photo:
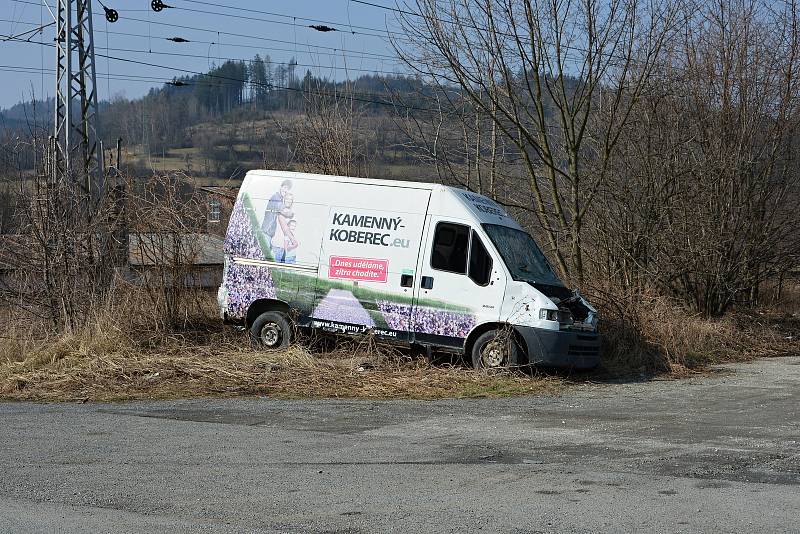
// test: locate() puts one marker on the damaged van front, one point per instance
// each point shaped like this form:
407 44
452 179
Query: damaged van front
557 324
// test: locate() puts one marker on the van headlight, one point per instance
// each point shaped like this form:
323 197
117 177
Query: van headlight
559 316
548 315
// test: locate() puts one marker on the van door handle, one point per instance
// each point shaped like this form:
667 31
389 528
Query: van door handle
426 282
406 280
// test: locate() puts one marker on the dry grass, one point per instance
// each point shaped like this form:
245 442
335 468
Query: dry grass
104 362
139 358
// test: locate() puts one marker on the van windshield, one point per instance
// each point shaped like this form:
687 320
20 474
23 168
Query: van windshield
522 255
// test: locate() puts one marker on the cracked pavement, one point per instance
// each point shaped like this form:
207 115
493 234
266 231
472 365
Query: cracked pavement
718 453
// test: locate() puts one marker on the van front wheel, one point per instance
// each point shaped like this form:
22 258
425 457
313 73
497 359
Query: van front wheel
495 349
270 330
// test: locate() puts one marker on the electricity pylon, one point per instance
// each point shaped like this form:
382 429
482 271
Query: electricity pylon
75 152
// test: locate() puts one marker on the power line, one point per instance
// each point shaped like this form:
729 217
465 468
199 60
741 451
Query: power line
459 23
45 70
249 10
33 31
236 45
251 61
234 34
338 51
253 47
388 8
381 34
376 32
260 38
465 24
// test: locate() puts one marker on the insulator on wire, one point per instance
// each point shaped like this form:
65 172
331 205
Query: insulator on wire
177 83
177 39
158 5
111 14
322 28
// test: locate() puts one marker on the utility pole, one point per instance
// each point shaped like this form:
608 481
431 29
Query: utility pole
76 160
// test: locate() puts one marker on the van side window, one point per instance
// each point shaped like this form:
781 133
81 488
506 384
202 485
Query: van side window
480 263
450 247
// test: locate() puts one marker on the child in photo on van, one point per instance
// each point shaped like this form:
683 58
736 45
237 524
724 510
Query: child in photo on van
275 205
282 231
291 243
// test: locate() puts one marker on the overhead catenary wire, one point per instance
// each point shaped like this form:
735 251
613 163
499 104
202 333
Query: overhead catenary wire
459 23
45 70
208 56
304 19
319 25
340 53
31 31
294 51
465 24
372 55
258 38
388 8
211 30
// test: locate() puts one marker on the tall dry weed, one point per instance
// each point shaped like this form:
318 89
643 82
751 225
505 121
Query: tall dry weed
650 333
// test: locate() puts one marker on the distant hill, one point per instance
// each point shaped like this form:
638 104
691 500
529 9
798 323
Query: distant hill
23 113
241 115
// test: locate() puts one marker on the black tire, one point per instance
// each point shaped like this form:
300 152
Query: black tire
495 349
271 330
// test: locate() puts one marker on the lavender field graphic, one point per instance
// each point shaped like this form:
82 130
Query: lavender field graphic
426 320
245 283
241 239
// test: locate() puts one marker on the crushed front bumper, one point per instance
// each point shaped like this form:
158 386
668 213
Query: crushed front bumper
573 349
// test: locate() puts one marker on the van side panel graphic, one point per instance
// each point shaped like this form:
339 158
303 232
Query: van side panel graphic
348 293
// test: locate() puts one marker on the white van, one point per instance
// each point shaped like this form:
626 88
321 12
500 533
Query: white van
416 263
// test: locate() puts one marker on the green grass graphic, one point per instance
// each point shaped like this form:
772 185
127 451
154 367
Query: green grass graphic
266 247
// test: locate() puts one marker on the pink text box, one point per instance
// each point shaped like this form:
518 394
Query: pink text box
358 269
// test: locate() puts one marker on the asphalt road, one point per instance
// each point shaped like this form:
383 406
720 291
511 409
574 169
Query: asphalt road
716 454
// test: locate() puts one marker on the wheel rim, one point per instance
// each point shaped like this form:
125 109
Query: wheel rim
270 334
493 355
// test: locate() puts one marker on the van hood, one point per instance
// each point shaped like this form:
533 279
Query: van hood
582 312
552 291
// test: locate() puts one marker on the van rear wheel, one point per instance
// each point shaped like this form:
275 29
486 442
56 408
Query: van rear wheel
270 330
495 349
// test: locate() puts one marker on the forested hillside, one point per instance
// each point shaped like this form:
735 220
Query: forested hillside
239 115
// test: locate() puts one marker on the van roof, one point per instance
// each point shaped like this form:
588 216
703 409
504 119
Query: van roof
349 179
481 207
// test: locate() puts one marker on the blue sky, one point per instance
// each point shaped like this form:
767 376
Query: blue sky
339 54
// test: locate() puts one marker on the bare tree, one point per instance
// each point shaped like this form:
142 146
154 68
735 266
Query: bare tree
543 72
704 196
328 136
166 214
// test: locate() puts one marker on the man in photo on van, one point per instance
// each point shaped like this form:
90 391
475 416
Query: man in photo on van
275 205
